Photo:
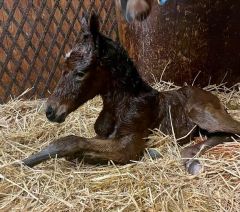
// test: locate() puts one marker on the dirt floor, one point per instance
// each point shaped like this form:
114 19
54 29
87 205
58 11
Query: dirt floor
147 185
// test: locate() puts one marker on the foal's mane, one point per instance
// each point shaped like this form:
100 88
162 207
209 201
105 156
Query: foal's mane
122 68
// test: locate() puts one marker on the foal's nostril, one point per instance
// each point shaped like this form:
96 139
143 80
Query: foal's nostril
50 113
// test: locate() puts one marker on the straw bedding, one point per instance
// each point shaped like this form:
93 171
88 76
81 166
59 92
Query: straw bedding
146 185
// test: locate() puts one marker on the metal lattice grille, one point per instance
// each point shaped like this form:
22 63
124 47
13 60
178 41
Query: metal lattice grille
35 34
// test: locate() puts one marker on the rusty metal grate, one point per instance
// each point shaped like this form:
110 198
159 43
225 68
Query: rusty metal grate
35 34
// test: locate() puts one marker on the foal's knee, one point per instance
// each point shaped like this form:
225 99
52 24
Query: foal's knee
132 152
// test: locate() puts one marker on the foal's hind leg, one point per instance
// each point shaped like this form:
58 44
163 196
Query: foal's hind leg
120 150
192 165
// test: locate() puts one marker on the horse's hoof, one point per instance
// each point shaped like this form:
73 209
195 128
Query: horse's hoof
137 10
193 166
153 153
162 2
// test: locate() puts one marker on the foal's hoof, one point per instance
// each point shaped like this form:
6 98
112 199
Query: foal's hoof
153 153
193 166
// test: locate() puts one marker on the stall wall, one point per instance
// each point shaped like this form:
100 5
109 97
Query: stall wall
187 41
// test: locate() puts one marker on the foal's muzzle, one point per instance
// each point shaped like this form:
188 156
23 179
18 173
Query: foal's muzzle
50 113
56 114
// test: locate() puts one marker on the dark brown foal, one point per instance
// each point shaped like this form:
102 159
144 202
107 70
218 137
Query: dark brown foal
99 66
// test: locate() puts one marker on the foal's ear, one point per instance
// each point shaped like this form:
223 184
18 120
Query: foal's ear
84 23
94 26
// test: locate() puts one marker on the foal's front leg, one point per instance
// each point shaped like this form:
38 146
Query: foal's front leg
105 123
118 150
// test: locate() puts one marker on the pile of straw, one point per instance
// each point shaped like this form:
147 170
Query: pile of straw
146 185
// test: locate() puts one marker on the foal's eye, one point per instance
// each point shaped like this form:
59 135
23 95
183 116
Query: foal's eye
79 75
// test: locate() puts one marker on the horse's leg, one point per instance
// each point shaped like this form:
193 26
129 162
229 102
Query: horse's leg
135 9
105 123
192 165
120 151
62 147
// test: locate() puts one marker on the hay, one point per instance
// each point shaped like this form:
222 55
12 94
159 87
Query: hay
147 185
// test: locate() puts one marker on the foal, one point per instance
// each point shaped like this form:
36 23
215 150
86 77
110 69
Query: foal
99 66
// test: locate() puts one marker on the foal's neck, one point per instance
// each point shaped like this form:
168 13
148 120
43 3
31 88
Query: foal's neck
124 76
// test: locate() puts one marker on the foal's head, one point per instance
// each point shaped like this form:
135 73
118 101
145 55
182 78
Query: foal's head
82 77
